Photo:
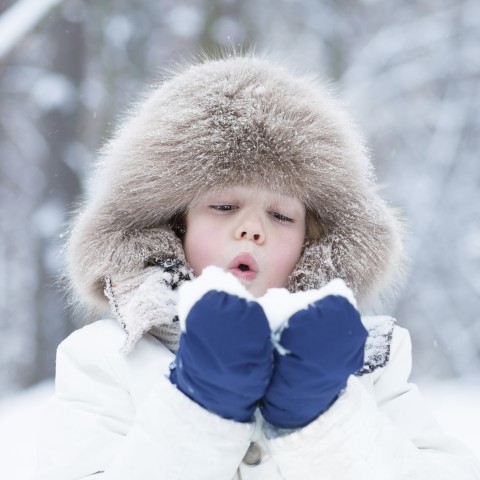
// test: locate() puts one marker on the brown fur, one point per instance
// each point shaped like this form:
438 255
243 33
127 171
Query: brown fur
236 121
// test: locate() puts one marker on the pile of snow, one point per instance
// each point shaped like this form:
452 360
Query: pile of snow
20 417
455 404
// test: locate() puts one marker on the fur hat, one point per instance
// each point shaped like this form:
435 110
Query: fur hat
240 120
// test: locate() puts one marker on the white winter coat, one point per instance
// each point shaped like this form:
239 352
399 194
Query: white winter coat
116 416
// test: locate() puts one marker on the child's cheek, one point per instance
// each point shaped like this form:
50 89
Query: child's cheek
201 249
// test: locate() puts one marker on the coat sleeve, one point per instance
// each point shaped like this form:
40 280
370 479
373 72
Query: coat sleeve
385 434
94 429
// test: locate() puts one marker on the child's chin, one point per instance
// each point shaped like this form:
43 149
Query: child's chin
251 284
256 290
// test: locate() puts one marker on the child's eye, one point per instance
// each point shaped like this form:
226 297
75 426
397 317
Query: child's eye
282 218
223 208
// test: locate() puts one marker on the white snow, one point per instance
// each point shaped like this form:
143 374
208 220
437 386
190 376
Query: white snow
278 303
456 405
20 417
212 278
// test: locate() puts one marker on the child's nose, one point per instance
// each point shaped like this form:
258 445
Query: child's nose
250 229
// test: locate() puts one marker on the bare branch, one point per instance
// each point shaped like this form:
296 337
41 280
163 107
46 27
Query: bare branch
20 19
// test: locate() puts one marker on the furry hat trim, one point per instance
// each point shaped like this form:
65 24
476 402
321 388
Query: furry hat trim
241 120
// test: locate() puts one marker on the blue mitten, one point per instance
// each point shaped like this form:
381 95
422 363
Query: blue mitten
224 361
319 348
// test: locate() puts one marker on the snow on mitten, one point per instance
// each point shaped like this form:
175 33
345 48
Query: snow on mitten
148 301
224 361
317 349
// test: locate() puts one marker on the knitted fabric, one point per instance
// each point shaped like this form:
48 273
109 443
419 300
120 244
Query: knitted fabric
147 302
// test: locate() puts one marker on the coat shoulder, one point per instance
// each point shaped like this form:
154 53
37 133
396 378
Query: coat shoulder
106 333
108 337
92 344
97 332
102 343
95 353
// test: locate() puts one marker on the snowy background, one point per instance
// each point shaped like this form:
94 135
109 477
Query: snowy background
408 71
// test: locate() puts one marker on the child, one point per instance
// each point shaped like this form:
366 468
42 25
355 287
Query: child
261 366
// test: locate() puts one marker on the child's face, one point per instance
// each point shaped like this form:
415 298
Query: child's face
253 233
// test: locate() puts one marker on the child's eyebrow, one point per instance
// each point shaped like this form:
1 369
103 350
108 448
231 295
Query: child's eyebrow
292 206
220 199
286 204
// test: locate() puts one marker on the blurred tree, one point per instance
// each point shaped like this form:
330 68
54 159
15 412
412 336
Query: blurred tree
39 114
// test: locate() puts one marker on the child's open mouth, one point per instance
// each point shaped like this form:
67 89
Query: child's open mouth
244 267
